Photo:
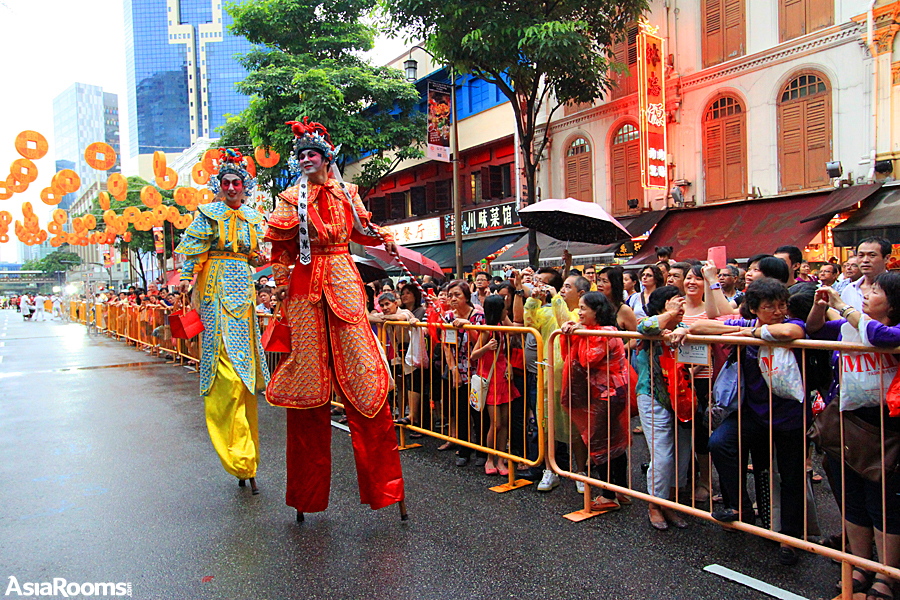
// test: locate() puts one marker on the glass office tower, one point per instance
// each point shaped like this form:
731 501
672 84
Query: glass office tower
181 72
84 114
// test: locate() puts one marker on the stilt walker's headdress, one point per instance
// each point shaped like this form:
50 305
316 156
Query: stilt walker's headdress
233 163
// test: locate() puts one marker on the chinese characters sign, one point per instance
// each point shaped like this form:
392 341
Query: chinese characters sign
652 99
428 230
491 218
439 121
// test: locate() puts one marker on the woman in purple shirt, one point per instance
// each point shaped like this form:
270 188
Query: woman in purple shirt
767 299
864 514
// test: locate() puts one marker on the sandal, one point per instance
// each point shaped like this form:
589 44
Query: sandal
603 505
659 523
816 478
403 421
623 499
859 585
879 595
445 446
674 518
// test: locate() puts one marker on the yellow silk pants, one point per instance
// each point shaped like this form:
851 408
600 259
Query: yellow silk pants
231 419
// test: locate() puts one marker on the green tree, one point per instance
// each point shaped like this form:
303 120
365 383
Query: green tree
58 260
306 63
538 53
141 245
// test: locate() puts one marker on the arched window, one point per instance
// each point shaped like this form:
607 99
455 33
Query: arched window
625 155
804 132
579 170
725 149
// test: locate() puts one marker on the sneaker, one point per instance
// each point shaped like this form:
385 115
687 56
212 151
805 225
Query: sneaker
549 481
579 485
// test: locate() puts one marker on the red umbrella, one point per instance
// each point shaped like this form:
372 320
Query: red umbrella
417 263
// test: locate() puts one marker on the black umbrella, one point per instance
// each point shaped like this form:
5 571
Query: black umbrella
573 221
369 269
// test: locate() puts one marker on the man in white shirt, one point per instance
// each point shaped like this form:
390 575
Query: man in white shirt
39 307
872 255
26 307
828 274
849 273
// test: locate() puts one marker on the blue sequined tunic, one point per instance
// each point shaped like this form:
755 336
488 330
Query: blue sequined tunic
218 246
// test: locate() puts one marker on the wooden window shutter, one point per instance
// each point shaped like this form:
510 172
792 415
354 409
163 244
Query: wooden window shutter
792 16
715 171
620 53
633 174
820 13
793 145
733 35
818 140
585 175
735 184
713 38
619 180
571 176
430 196
485 183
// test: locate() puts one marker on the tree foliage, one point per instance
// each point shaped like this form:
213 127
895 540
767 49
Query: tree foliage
142 245
306 63
538 53
58 260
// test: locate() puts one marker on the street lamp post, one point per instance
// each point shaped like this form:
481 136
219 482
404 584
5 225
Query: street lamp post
410 66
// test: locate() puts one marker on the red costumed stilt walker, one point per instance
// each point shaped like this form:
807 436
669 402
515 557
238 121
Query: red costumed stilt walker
333 348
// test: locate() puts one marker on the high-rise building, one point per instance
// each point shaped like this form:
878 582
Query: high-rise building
181 72
84 114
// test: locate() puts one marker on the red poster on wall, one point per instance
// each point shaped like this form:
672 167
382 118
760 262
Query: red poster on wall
652 101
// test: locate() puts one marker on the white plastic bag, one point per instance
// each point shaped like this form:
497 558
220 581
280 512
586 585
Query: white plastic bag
415 352
865 376
782 373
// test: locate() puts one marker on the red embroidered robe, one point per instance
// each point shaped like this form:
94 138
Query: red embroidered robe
325 305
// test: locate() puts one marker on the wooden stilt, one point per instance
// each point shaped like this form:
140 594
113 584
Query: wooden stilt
403 515
299 517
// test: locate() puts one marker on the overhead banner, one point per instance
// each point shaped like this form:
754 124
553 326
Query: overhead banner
426 230
108 257
480 220
652 103
439 121
159 239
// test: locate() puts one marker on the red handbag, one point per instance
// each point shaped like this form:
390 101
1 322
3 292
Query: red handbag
185 324
277 336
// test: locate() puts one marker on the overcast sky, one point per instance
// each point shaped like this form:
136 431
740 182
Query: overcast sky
49 45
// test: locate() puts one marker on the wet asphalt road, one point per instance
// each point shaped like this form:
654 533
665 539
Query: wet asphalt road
107 474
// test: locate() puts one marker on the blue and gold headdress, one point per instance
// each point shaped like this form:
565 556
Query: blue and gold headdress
233 163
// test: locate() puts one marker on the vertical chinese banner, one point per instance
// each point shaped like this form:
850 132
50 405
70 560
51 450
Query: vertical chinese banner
652 102
439 121
159 240
108 257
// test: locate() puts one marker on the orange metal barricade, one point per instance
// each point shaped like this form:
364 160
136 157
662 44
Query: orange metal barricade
424 391
765 475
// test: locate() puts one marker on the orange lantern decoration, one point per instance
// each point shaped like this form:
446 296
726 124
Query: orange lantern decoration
14 184
172 214
150 196
185 195
60 216
126 237
132 213
4 238
68 181
90 222
78 224
169 180
24 170
200 174
251 166
159 163
104 201
266 157
160 213
31 145
5 192
117 186
54 227
211 160
51 197
206 196
100 156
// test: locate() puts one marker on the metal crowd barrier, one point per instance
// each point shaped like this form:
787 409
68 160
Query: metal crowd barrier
765 476
424 392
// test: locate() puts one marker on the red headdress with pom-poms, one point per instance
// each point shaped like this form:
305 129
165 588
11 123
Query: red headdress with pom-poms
312 136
